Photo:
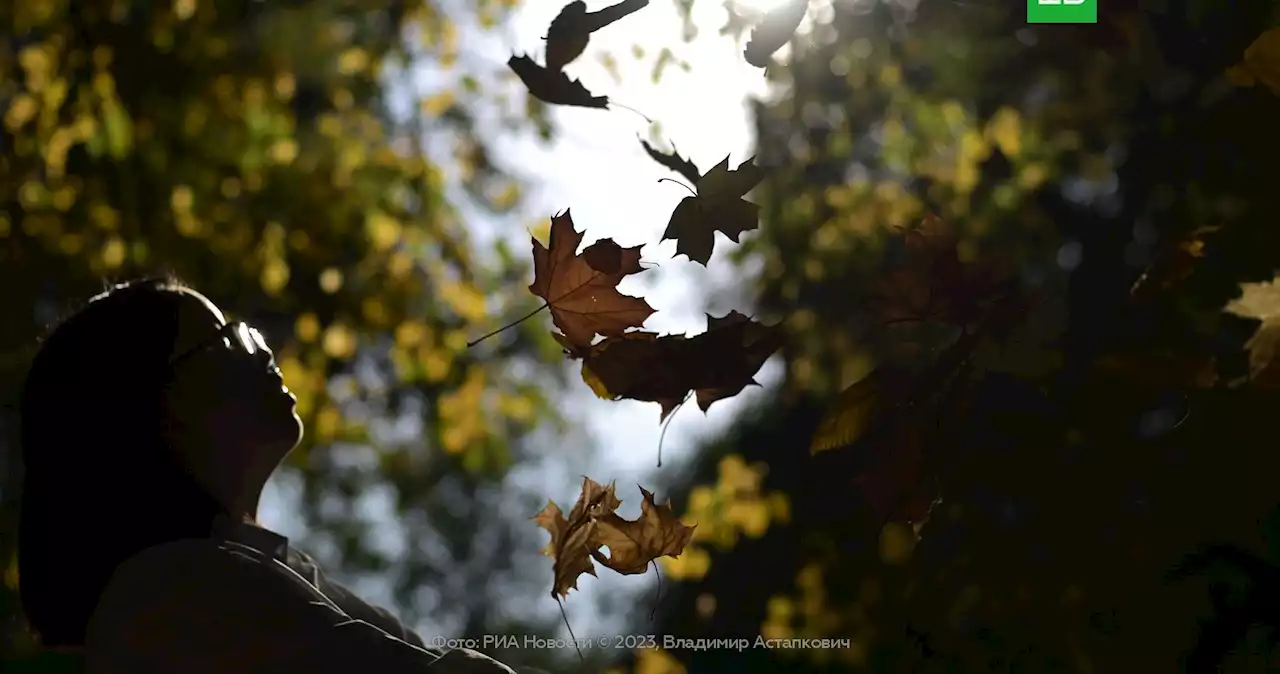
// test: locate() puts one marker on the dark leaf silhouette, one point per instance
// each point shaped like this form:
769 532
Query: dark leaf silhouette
687 169
774 31
582 290
714 365
717 207
570 31
553 86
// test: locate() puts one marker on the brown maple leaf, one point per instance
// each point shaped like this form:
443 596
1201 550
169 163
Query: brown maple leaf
774 31
593 523
570 31
634 544
718 206
733 349
714 365
581 290
553 86
573 539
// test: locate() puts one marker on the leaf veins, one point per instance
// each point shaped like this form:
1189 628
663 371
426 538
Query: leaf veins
634 544
593 524
581 290
573 538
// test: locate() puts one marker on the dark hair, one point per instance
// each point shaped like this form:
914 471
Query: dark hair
100 485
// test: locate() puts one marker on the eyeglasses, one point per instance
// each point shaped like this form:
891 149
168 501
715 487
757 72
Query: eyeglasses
239 334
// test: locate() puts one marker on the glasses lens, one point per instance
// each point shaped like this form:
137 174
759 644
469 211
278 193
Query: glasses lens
247 337
259 342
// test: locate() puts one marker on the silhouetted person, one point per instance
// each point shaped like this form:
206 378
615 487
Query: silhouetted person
149 427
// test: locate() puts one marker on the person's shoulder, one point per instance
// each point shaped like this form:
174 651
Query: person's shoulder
189 568
204 577
198 600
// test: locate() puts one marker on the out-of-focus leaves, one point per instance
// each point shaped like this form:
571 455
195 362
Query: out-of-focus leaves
934 284
248 147
774 31
1261 62
850 415
1261 301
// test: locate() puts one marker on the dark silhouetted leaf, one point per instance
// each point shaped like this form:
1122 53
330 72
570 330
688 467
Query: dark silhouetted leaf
687 169
553 86
570 31
718 207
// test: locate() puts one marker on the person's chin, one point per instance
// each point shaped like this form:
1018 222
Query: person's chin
289 431
282 426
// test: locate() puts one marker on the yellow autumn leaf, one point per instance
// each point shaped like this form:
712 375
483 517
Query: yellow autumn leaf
897 542
849 417
1261 62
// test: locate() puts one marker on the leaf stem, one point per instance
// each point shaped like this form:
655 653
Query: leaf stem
512 324
627 107
673 180
666 423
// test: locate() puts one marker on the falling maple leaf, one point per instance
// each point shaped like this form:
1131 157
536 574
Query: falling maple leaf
581 290
570 31
553 86
1261 62
774 31
593 524
850 416
714 365
687 169
573 538
634 544
717 206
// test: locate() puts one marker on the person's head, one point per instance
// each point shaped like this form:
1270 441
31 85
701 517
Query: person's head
144 416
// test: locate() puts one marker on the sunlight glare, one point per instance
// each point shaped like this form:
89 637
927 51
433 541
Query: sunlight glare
758 7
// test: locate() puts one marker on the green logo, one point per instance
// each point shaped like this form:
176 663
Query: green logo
1062 11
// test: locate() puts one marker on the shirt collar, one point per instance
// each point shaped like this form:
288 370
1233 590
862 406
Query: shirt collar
251 535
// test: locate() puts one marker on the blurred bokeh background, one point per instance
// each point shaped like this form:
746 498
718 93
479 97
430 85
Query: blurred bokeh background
360 178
